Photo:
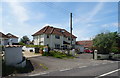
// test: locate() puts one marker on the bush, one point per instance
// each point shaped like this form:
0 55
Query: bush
115 50
39 46
57 54
21 43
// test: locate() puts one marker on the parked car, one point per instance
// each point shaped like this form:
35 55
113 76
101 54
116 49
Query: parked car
88 51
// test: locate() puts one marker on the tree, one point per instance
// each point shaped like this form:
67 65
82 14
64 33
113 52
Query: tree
24 39
106 42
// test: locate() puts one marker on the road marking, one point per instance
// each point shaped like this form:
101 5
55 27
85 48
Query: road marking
65 69
95 64
111 62
108 73
82 66
104 63
39 74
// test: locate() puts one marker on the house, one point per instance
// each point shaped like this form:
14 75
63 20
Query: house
79 47
13 38
86 43
5 39
54 37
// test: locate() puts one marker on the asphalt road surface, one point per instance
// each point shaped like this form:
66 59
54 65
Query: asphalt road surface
96 70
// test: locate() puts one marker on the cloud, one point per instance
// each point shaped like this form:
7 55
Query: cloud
96 10
109 25
19 11
89 17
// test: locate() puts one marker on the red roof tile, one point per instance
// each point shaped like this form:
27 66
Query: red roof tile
3 35
52 30
85 43
11 35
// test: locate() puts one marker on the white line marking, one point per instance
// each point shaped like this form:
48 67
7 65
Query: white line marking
104 63
65 69
82 66
111 62
39 74
108 73
95 64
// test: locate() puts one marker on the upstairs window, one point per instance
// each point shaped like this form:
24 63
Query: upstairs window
47 36
57 36
68 38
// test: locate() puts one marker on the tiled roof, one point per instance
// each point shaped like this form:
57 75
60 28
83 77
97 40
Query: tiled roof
85 43
52 30
11 35
3 35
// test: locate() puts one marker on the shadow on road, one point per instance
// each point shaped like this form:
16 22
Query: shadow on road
10 70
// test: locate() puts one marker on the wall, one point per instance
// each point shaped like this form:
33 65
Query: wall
14 40
4 41
28 48
103 56
80 47
13 55
51 41
37 39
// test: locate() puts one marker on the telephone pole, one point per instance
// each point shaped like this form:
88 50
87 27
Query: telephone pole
70 33
71 30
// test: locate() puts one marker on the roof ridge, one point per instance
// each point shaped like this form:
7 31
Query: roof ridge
45 29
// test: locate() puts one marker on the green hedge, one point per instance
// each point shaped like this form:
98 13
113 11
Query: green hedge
39 46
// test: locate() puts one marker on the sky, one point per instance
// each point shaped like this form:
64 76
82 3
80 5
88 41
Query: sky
89 18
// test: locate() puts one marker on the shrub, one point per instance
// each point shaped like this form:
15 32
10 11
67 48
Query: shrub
39 46
21 43
115 50
57 54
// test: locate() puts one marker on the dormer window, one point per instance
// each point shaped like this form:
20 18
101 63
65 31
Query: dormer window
62 31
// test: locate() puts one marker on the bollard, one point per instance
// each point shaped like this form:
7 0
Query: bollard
95 54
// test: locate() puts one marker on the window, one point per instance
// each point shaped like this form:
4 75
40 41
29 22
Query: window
47 36
57 36
57 46
68 38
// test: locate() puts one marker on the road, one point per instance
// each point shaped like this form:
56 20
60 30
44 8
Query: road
96 70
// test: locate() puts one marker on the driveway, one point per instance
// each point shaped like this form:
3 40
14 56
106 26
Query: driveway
28 54
43 64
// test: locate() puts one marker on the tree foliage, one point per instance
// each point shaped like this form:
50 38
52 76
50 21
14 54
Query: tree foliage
107 42
24 40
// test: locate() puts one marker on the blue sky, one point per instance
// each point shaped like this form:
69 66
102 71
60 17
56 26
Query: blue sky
89 18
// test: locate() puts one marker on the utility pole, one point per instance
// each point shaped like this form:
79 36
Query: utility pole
70 33
70 30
